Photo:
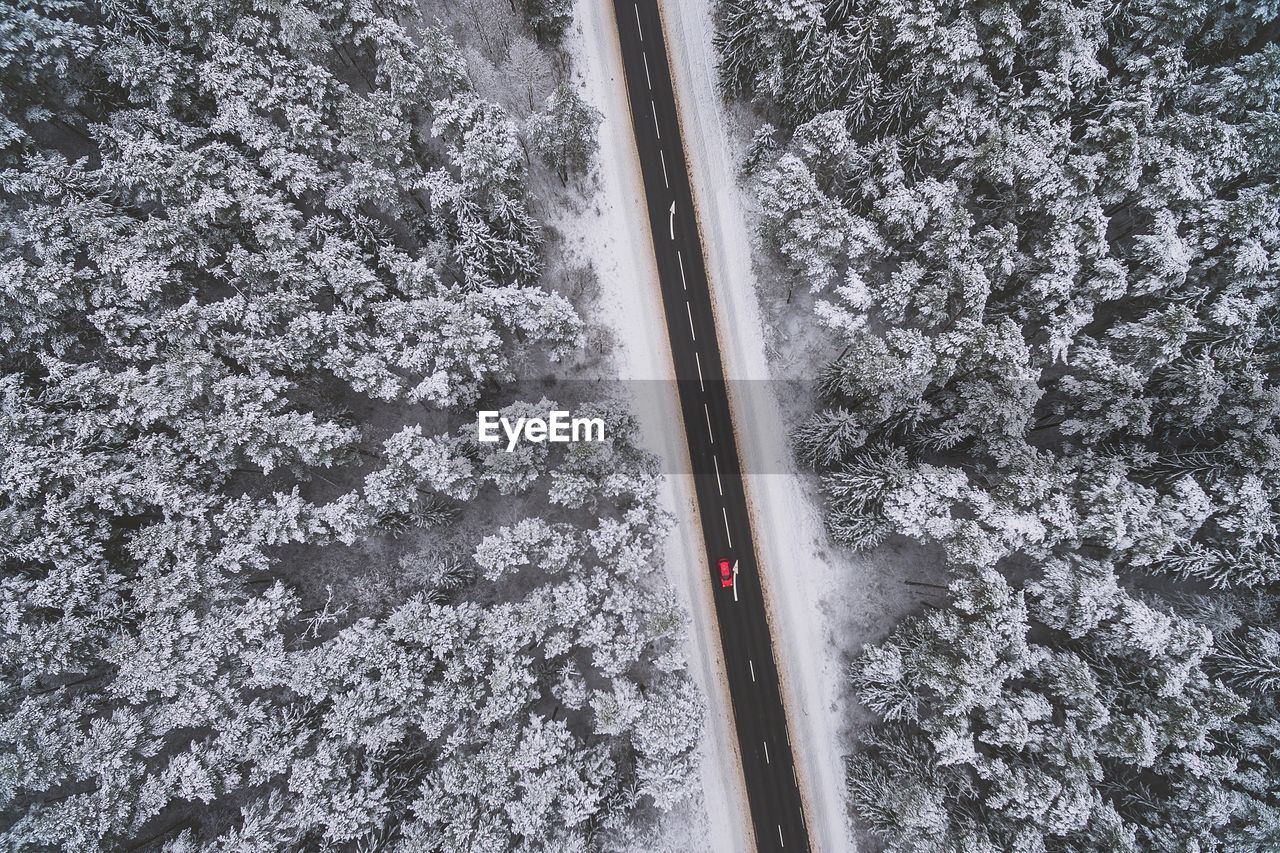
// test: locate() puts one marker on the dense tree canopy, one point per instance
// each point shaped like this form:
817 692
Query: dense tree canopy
1045 241
225 229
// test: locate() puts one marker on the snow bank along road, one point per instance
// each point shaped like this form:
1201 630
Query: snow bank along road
772 789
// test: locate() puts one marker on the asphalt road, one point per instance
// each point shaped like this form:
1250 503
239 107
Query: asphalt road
773 793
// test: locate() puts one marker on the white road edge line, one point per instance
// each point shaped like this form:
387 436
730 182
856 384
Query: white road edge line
663 155
719 488
766 752
656 129
671 222
698 362
707 411
639 28
689 311
751 664
727 534
647 78
680 258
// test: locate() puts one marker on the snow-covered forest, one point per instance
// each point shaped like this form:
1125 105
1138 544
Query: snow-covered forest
253 595
1044 242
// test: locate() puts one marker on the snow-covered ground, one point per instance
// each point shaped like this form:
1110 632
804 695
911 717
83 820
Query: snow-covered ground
612 234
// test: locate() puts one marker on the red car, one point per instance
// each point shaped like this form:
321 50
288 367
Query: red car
726 575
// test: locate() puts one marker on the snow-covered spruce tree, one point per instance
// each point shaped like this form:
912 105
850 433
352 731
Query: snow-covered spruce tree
564 134
549 19
1044 239
222 228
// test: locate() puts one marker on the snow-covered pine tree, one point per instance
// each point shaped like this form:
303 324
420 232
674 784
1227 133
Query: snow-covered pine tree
564 133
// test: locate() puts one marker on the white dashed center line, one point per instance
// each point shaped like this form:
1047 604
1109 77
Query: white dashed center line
724 513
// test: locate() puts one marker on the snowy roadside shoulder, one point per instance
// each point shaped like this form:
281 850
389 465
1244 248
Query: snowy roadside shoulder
611 234
803 610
